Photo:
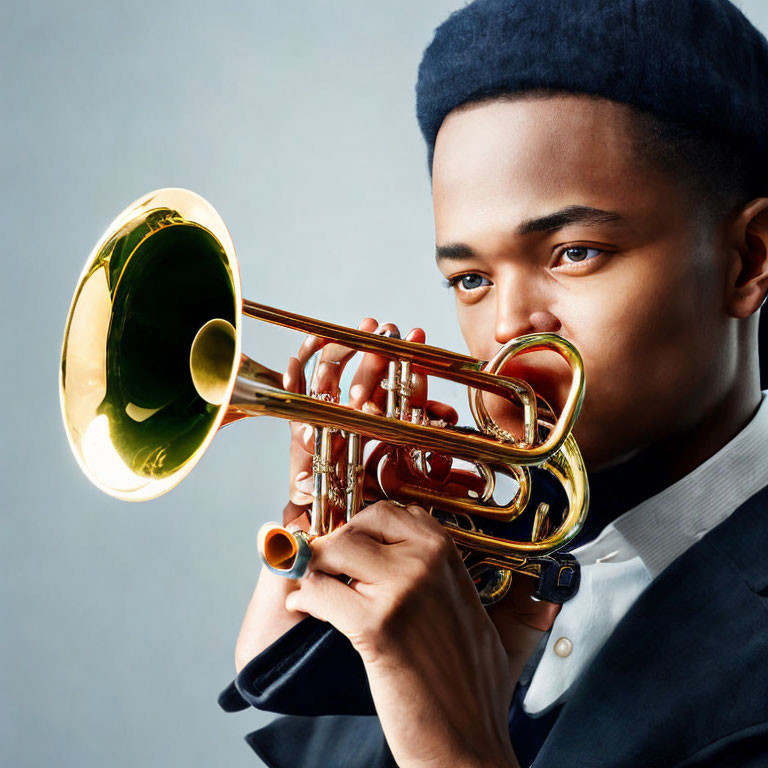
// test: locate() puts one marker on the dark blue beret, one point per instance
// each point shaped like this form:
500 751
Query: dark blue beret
700 62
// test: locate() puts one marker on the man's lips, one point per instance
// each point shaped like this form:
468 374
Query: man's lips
546 372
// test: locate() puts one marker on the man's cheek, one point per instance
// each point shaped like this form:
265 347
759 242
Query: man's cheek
478 330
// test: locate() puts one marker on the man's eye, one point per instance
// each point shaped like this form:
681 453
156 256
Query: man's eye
469 282
577 253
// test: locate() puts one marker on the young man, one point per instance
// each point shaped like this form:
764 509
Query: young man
598 171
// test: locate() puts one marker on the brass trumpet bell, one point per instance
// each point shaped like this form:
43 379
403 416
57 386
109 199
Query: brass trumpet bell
151 367
134 419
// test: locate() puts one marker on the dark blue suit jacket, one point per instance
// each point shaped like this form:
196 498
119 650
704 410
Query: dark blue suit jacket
681 682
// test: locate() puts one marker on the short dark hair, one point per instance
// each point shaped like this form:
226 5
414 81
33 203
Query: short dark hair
718 175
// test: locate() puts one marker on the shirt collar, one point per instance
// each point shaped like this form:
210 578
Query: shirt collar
662 527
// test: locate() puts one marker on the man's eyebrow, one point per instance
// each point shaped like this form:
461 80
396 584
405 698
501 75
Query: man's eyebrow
454 251
551 222
572 214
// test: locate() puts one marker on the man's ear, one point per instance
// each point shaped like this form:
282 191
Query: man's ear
748 267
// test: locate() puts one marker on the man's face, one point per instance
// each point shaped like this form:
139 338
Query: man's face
636 283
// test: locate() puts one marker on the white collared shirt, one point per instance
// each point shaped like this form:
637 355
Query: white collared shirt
636 547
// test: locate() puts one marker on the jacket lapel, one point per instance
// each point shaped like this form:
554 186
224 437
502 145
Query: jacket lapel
686 666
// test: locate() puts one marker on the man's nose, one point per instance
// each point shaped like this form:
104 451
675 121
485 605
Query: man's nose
522 308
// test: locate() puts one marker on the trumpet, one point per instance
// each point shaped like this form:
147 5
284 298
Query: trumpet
151 368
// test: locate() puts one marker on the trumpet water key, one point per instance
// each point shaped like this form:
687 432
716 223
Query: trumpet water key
152 367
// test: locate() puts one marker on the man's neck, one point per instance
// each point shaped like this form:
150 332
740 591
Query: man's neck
621 487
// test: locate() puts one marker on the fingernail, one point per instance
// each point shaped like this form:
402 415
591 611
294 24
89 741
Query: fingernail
381 331
306 485
309 433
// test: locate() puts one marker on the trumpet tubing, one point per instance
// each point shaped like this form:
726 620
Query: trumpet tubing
152 367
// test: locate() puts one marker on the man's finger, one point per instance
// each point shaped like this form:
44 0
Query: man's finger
309 346
366 383
293 378
442 411
294 514
392 523
351 551
328 599
331 362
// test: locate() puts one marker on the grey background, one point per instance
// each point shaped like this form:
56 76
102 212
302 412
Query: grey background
296 120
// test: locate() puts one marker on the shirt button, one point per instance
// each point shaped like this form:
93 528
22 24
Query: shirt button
563 647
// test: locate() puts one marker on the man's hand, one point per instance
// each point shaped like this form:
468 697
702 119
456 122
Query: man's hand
438 672
441 671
